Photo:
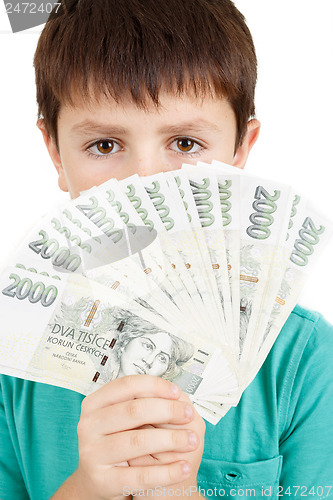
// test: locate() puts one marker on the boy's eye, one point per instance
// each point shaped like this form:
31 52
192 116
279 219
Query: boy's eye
185 145
104 147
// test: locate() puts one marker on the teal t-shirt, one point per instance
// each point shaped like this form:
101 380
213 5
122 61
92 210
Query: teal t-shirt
278 441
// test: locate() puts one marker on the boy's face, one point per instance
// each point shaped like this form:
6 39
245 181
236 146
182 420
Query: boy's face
109 140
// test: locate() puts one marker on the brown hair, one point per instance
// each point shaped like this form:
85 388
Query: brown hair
135 48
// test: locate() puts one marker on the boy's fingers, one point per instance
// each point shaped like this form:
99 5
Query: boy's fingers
131 387
138 412
123 446
128 479
166 457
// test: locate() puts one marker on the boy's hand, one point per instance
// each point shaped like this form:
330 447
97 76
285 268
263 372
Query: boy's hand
193 457
136 419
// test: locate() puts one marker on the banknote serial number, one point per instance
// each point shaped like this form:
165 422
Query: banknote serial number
31 7
304 491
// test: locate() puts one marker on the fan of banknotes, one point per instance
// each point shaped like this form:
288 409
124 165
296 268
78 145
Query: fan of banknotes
187 275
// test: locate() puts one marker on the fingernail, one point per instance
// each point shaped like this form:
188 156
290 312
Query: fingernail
189 411
175 389
192 438
186 468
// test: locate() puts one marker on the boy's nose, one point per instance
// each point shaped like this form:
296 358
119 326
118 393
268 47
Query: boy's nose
146 167
147 163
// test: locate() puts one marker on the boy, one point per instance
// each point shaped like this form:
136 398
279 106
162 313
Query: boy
138 87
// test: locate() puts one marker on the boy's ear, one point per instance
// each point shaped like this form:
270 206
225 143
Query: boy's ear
54 154
242 153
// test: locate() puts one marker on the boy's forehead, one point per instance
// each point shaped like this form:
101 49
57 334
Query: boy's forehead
167 91
166 98
89 113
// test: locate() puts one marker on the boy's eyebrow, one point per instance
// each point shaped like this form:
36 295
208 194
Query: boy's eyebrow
100 128
199 125
179 128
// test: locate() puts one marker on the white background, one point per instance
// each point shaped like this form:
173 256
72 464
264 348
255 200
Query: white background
294 42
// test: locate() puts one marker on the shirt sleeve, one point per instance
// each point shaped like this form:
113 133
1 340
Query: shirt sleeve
306 443
11 481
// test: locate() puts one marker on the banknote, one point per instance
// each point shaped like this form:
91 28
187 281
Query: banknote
308 234
205 191
265 211
182 237
190 294
77 334
229 193
147 262
180 185
188 275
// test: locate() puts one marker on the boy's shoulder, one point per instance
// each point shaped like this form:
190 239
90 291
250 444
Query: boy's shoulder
305 328
309 315
301 358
